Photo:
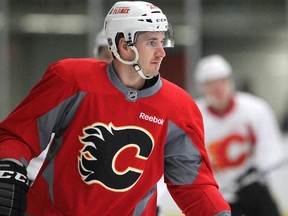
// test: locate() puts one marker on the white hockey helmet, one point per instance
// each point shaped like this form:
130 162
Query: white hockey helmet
212 67
100 41
130 17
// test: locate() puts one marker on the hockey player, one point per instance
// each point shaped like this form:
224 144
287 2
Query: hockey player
101 50
242 139
117 127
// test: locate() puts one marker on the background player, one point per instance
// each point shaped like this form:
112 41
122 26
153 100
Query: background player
101 50
242 138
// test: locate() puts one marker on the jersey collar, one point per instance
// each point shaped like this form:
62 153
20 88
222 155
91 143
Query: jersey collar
228 109
130 93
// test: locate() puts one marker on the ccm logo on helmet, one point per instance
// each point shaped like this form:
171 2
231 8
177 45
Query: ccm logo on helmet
161 20
153 119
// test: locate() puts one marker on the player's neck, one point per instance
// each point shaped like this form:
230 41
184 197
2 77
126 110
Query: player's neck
128 75
224 109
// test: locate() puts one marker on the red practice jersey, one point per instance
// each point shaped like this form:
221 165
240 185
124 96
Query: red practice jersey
111 146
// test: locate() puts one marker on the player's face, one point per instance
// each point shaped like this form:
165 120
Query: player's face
218 93
151 51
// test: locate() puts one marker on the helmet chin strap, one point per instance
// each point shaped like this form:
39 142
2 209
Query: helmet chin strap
134 63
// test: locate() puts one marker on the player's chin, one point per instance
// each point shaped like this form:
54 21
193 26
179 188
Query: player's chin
154 72
157 68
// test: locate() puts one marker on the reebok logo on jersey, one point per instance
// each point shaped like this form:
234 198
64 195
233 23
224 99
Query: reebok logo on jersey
153 119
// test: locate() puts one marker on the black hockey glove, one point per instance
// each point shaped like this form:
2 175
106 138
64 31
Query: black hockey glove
13 189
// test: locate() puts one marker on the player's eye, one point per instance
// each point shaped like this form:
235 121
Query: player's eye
155 43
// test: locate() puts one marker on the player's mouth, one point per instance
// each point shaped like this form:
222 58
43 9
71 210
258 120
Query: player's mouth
157 63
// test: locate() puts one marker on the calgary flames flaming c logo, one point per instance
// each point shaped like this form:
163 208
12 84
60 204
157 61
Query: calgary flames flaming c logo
114 157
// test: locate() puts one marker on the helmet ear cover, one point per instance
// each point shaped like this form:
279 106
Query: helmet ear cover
118 37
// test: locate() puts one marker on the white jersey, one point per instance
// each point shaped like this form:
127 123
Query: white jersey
247 136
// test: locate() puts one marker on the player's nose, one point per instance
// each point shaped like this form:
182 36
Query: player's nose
160 52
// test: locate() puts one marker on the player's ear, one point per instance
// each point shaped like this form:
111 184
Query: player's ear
123 45
125 51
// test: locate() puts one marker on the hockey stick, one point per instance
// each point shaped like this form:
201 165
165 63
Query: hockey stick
254 176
